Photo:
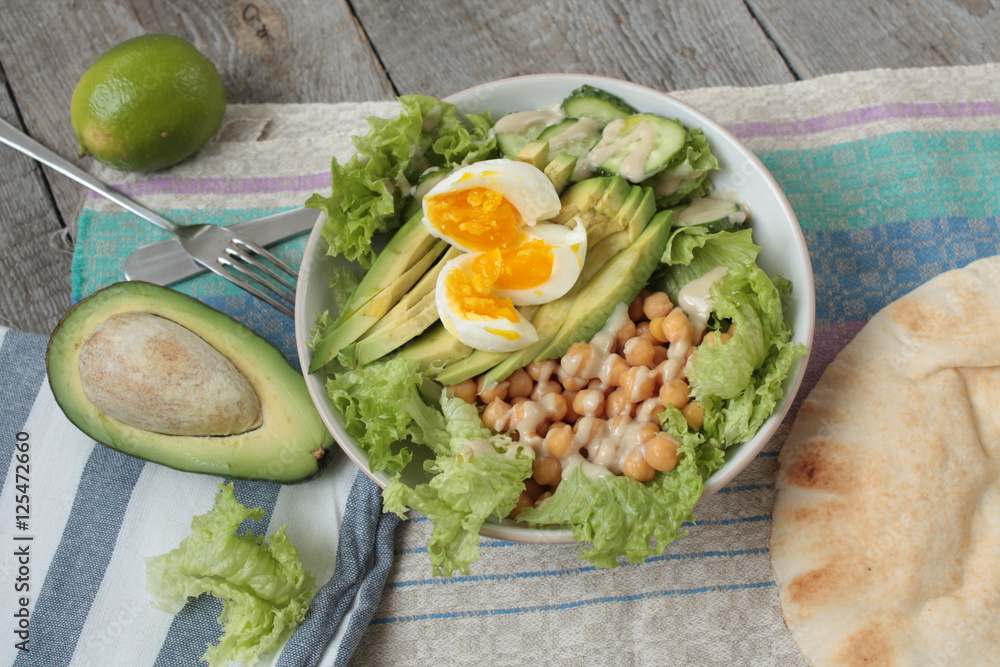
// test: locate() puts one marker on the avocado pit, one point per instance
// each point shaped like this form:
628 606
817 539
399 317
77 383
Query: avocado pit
154 374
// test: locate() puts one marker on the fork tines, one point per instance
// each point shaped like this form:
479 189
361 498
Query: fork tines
258 277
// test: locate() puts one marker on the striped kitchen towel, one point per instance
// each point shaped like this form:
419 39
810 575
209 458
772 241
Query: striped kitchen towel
894 177
96 515
79 520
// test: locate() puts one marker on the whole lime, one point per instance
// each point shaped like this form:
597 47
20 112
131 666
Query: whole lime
147 103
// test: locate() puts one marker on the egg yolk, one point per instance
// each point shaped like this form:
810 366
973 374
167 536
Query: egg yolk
525 265
470 295
476 218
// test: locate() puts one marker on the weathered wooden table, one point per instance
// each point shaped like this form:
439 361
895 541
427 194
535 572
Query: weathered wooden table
328 50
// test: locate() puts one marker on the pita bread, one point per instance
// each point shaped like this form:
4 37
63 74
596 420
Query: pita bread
885 542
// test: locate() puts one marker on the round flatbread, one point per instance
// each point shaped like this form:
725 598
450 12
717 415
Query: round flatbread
885 542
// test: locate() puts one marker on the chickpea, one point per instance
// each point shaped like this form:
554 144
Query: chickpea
571 415
541 370
635 308
521 383
555 406
659 354
533 488
626 332
661 452
618 404
675 392
676 326
517 400
545 387
496 416
559 440
612 369
465 390
642 330
573 383
639 351
523 501
589 402
657 304
649 410
638 383
656 330
487 393
577 359
635 466
694 414
547 471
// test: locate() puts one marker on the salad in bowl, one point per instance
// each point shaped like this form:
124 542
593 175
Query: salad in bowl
552 308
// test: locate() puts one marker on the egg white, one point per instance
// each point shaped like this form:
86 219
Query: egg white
491 335
569 250
526 187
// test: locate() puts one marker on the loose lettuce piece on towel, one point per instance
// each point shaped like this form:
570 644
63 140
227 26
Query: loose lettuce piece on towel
620 516
476 475
265 592
369 189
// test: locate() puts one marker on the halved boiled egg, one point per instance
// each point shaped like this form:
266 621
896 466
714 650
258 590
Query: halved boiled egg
472 312
485 204
542 264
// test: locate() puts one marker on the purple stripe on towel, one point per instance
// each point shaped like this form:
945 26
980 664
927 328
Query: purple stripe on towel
863 117
222 186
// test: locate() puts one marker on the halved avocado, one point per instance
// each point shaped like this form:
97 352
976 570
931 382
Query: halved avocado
286 444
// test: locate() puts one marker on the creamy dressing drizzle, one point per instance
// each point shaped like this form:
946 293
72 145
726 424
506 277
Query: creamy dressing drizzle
716 206
521 121
614 139
582 128
695 298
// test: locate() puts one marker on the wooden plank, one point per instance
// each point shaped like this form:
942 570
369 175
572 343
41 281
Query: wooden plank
34 291
301 52
438 48
829 37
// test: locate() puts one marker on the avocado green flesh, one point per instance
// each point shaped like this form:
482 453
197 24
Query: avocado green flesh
618 281
434 349
280 450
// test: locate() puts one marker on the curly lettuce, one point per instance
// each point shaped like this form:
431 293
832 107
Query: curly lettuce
264 589
368 191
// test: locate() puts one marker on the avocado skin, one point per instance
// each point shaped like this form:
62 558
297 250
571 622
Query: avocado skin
280 450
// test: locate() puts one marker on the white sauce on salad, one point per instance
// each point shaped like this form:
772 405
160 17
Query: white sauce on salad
520 121
582 128
633 166
695 298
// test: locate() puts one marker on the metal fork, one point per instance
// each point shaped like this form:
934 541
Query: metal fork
241 262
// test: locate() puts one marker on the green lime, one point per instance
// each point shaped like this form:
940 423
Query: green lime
147 103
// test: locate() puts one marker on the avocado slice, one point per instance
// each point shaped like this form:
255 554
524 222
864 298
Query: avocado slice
535 153
595 202
434 349
560 170
288 444
618 281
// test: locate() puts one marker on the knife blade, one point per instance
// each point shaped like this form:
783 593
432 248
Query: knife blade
166 262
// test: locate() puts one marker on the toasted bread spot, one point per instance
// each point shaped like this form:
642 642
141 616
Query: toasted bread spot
815 469
870 645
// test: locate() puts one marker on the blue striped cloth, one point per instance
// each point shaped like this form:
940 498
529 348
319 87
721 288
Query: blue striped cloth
87 517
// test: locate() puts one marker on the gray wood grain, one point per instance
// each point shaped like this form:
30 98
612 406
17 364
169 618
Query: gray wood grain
829 37
295 51
34 290
439 48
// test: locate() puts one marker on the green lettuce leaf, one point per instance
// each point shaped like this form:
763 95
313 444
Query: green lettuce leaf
369 190
694 250
265 592
382 404
619 516
482 476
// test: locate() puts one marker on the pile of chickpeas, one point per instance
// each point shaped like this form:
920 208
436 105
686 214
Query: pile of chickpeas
602 399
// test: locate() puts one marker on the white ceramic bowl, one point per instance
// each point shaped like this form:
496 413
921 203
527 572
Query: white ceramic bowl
774 226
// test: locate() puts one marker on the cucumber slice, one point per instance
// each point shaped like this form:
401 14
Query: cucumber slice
638 146
573 136
516 129
601 106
